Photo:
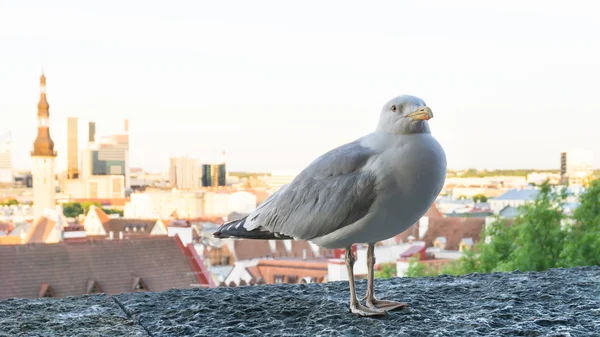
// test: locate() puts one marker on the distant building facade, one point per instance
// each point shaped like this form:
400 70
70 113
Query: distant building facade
104 172
43 156
163 204
91 132
576 167
72 149
278 179
6 176
184 173
214 175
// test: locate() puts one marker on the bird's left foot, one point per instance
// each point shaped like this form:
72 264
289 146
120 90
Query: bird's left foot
385 305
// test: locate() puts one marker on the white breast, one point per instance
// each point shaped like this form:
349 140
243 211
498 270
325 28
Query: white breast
411 173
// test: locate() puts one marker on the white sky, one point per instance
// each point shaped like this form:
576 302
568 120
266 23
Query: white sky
511 84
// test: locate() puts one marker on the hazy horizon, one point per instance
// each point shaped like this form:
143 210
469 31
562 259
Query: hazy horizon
277 84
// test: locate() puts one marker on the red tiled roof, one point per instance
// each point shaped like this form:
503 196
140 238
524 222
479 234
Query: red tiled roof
453 229
40 231
122 225
104 202
215 220
100 214
200 271
178 223
412 250
6 227
251 249
254 272
113 264
432 213
10 240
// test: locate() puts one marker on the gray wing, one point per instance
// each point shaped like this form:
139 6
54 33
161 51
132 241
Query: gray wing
331 193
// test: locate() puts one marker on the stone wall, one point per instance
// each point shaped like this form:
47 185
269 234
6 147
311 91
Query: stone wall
558 302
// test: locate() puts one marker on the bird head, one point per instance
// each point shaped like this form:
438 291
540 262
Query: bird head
405 115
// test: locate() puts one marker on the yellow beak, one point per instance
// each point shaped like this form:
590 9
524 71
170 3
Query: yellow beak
422 114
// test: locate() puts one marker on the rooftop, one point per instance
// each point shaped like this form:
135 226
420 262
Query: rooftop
112 266
518 194
558 302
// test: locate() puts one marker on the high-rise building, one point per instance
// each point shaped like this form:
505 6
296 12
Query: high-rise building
6 176
72 149
576 166
91 132
214 175
106 155
184 173
43 155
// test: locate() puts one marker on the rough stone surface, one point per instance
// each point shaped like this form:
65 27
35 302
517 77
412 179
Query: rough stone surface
96 315
559 302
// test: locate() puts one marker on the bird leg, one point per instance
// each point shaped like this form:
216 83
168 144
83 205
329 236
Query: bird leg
371 301
355 305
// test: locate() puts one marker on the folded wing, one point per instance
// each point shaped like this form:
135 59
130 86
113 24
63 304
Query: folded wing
332 192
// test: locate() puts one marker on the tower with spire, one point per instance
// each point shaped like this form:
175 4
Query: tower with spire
43 156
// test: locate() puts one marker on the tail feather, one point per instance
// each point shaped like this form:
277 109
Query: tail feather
235 229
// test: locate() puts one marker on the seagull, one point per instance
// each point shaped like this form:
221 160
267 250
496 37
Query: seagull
362 192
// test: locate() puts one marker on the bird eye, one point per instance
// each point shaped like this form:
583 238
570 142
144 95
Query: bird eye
393 108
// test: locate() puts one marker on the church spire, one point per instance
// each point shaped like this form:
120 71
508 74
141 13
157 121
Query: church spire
43 144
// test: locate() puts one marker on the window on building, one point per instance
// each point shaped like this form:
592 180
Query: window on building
292 279
93 190
117 188
46 291
139 284
288 245
93 287
278 279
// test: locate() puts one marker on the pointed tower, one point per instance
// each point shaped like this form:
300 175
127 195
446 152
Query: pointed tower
43 155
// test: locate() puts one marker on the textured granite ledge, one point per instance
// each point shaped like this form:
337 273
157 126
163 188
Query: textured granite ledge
559 302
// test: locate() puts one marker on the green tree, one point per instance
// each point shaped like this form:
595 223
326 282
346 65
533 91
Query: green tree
496 245
72 209
418 269
468 263
87 204
540 237
113 211
480 198
387 270
9 202
582 242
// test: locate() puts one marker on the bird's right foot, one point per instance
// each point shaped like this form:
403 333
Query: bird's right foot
361 310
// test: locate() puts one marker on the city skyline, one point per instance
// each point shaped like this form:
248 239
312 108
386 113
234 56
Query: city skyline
275 92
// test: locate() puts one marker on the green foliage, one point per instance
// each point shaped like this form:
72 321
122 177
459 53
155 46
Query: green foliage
540 238
582 242
387 270
494 254
468 263
9 202
73 209
480 198
248 174
473 173
537 240
418 269
113 211
86 206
